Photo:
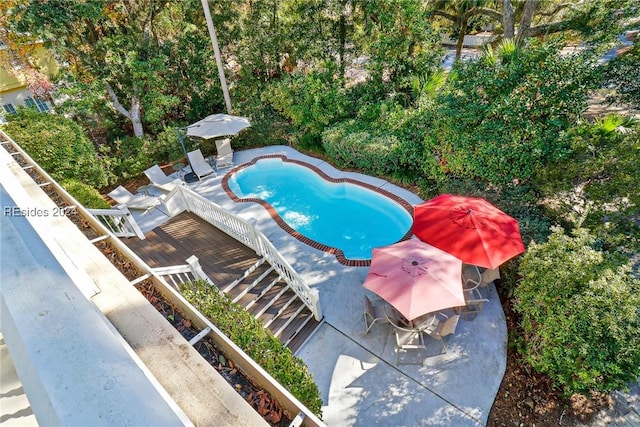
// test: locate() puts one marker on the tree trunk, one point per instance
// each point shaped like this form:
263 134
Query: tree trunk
460 42
133 115
527 17
342 40
508 19
136 121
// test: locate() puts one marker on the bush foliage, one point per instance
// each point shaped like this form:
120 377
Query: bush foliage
58 145
580 315
88 196
257 341
504 116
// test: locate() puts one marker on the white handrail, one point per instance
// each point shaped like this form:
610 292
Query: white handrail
246 233
119 221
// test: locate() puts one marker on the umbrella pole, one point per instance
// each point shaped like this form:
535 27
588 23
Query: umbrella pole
181 139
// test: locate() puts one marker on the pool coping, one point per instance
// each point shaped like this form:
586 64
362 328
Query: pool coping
339 254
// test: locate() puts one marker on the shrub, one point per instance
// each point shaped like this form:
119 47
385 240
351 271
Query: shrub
258 342
504 116
58 145
88 196
597 186
311 101
376 155
126 158
165 147
580 315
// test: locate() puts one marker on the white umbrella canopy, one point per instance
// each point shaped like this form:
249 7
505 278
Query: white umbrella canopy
217 125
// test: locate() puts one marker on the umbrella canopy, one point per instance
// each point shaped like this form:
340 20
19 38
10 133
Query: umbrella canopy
472 229
217 125
416 278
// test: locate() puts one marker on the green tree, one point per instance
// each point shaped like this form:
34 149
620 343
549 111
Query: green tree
523 19
580 317
147 58
58 145
504 116
622 75
461 13
399 40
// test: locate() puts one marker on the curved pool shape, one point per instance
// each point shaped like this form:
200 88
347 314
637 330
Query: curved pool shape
342 215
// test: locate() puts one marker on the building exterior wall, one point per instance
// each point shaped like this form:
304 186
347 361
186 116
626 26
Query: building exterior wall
14 84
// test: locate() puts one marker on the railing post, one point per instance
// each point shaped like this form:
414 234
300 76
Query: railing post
197 271
185 199
314 296
131 222
253 234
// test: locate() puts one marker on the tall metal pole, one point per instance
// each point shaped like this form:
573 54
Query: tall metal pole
216 49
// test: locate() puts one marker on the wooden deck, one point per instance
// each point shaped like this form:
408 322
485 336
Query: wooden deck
225 260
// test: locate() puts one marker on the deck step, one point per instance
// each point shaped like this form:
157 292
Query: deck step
246 274
264 292
289 320
282 310
300 328
271 302
253 284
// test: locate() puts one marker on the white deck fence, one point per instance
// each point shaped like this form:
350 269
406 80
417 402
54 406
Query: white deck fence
119 221
246 233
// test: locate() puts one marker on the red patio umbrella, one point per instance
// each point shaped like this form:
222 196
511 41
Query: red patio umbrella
416 278
472 229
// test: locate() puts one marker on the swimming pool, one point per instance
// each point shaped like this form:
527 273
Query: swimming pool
343 216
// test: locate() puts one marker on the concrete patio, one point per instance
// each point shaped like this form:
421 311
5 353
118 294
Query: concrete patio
356 372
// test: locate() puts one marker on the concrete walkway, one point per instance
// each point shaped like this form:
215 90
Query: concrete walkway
356 372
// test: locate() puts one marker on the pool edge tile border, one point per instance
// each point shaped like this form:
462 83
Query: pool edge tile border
339 254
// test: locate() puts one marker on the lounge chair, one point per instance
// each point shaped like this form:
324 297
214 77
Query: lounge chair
489 276
161 181
199 165
135 201
225 153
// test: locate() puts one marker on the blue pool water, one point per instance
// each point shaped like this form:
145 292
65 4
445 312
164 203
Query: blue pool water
341 215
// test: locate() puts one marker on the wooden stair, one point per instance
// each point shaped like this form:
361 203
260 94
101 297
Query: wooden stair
266 296
235 269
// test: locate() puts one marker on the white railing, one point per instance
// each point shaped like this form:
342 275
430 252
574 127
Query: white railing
310 297
245 232
119 221
179 274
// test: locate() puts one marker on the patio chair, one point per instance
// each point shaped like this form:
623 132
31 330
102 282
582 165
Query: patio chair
470 277
444 330
225 153
135 201
161 181
373 314
473 306
488 276
407 340
199 165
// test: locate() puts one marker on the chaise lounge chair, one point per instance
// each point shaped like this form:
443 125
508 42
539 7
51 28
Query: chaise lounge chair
225 153
135 201
161 181
199 165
